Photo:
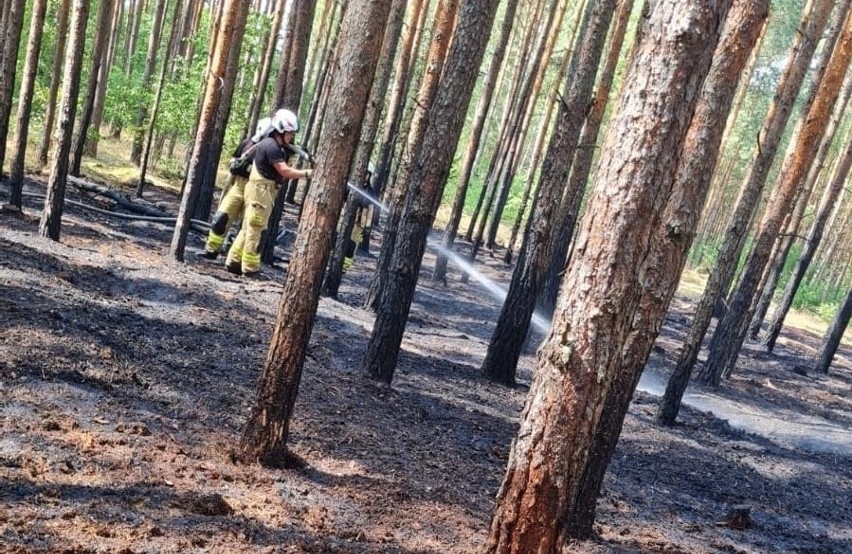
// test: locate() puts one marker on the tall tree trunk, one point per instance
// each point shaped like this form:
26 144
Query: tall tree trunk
147 76
288 88
212 97
442 32
498 157
134 19
473 146
55 79
627 235
155 109
207 185
826 207
834 334
51 218
538 149
25 103
776 119
264 439
704 140
730 334
9 64
569 204
781 247
428 177
786 242
528 99
102 26
263 80
506 343
393 118
91 147
378 92
290 97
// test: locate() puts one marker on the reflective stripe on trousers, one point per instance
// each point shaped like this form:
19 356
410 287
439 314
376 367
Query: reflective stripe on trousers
259 198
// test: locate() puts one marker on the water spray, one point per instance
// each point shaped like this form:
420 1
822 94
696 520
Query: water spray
500 293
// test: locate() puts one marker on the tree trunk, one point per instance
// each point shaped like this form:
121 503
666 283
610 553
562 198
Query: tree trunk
212 97
770 136
155 109
704 139
404 186
25 103
288 88
528 97
9 64
498 157
102 26
147 76
404 70
51 218
55 76
428 176
569 204
628 234
786 242
263 80
134 18
826 207
834 334
730 334
378 92
207 184
506 343
289 97
474 143
91 147
265 437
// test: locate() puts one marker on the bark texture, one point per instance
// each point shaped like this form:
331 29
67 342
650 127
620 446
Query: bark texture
25 103
834 334
582 364
204 134
51 218
739 36
506 343
13 22
428 177
730 334
55 79
265 437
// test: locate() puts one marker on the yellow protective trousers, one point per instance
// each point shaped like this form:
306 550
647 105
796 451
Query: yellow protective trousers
259 198
230 206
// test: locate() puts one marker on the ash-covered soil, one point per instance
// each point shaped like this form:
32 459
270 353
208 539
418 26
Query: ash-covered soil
126 379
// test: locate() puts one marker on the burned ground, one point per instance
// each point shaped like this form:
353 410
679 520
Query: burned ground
126 379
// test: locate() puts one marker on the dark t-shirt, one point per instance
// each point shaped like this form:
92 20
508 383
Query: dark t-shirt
266 155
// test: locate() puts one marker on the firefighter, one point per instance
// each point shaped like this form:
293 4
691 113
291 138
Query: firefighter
231 204
363 218
269 171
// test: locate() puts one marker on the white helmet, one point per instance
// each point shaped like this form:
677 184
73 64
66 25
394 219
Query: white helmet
284 121
264 126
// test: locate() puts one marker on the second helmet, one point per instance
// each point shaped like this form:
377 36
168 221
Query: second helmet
284 121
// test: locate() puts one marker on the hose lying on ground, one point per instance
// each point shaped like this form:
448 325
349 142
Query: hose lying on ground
197 224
